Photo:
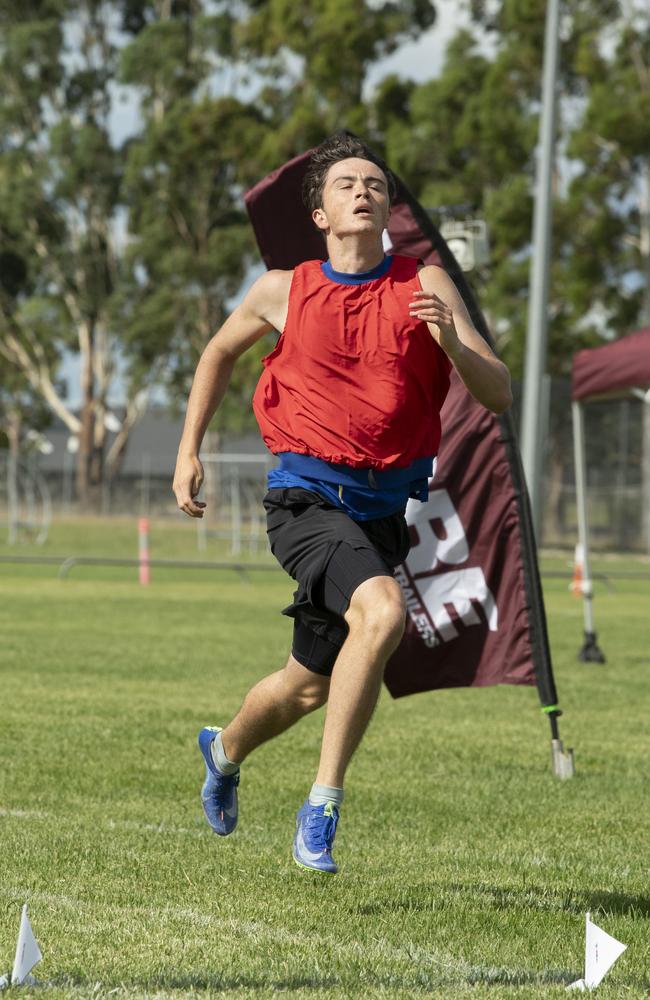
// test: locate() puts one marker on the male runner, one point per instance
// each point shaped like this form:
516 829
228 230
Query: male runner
349 400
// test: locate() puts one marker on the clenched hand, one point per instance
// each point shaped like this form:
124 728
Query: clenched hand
188 478
430 308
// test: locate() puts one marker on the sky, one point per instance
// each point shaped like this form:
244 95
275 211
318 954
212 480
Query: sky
416 60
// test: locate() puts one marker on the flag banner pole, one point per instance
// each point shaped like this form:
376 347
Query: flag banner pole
562 760
471 581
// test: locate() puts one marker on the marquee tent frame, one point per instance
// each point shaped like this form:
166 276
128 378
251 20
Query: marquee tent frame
616 370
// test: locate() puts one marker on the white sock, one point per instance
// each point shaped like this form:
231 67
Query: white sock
221 762
320 795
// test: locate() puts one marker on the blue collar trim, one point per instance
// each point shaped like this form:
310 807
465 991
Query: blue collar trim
357 279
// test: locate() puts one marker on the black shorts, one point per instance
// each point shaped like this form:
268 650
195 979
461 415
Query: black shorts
329 555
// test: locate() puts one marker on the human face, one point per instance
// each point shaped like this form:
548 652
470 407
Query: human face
355 199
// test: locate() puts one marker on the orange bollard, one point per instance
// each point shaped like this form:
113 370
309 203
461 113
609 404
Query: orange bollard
143 549
578 572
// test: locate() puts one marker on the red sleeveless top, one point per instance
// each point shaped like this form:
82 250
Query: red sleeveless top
353 377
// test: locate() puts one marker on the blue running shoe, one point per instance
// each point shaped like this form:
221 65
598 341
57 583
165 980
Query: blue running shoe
315 830
219 792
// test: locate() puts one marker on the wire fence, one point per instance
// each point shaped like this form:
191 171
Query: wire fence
236 482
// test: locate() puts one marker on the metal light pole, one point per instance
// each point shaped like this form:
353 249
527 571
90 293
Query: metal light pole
533 428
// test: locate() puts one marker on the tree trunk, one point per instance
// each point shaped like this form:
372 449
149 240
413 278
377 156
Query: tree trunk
136 407
89 457
13 500
554 506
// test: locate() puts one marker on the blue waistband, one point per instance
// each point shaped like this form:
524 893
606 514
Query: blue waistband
345 475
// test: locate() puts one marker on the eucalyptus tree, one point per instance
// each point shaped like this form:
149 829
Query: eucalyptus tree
468 138
61 175
190 244
608 204
314 58
226 95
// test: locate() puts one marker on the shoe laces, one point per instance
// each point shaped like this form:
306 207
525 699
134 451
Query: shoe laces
223 788
320 827
225 782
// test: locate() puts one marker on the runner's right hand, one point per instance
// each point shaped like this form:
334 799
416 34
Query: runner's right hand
188 478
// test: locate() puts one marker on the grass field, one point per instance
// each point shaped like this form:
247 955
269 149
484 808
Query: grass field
466 868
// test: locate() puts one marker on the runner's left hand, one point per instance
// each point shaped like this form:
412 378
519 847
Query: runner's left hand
428 307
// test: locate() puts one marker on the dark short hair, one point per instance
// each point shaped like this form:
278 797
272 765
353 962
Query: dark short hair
341 146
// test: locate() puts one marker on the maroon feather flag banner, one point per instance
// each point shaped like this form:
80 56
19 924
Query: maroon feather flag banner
463 578
475 611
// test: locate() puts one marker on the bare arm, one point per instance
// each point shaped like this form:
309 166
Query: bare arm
440 305
261 310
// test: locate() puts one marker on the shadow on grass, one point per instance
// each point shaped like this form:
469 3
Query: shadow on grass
427 898
540 897
421 980
616 902
189 981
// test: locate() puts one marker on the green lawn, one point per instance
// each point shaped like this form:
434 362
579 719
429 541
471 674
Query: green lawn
466 868
173 537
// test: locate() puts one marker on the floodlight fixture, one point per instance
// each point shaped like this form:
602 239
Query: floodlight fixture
468 241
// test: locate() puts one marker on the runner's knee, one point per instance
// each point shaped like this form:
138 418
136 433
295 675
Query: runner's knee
305 688
377 608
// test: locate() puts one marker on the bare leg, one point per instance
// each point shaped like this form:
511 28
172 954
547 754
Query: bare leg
376 624
273 705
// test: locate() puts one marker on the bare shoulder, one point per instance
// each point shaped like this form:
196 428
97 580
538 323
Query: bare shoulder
434 278
436 281
269 293
275 281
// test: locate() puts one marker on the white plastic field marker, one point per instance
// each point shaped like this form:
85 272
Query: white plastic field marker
601 951
27 951
143 549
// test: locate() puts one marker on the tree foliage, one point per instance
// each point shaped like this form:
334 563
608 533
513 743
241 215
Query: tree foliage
61 178
468 138
137 250
185 173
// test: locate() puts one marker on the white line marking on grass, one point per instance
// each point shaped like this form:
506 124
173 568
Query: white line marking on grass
23 813
26 895
130 824
110 824
257 931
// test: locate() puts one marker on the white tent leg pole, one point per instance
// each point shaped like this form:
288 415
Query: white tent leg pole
590 653
581 505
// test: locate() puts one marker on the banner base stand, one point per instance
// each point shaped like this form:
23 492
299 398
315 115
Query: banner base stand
563 762
591 651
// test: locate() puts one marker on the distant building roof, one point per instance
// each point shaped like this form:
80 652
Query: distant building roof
152 445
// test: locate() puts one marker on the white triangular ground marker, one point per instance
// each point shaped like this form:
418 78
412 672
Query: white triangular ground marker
601 951
27 951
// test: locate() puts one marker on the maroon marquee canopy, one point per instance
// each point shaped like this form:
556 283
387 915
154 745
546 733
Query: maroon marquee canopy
608 372
611 369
